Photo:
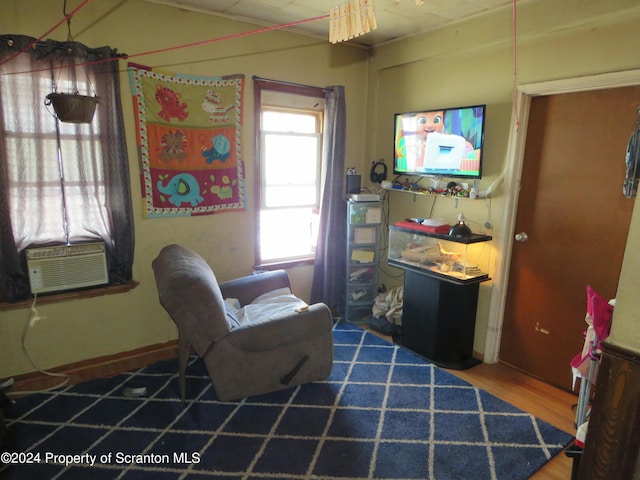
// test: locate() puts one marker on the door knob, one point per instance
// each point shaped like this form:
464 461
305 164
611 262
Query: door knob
521 237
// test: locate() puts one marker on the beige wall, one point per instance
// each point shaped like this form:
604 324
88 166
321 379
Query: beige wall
472 63
625 328
81 329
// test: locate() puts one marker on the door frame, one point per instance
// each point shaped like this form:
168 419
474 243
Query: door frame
512 176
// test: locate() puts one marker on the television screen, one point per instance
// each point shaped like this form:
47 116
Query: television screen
441 143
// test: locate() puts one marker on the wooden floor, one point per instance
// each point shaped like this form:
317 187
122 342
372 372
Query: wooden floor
529 394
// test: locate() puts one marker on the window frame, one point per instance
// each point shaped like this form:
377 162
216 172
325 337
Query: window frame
110 186
261 85
71 208
317 134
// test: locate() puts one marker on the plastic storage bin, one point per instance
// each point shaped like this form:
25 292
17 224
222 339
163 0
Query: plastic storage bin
363 252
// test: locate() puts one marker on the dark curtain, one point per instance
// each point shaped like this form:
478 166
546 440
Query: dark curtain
329 266
101 181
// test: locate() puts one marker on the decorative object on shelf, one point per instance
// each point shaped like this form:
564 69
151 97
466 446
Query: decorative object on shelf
460 229
473 192
353 181
449 190
457 190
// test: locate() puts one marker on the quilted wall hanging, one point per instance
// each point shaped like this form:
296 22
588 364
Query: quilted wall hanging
188 135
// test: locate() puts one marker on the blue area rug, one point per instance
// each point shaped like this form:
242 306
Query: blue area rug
384 413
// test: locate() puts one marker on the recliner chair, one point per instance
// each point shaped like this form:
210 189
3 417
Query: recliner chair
283 342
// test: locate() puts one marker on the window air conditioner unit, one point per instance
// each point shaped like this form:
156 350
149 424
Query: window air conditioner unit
65 267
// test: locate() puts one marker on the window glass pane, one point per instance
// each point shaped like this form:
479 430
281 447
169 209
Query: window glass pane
288 122
290 156
287 233
291 159
282 196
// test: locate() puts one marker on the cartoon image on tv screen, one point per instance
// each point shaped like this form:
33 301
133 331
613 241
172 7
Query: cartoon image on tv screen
440 142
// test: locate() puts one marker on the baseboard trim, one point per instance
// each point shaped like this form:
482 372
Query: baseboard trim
99 367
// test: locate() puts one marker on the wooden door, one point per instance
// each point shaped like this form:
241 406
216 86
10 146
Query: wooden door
576 221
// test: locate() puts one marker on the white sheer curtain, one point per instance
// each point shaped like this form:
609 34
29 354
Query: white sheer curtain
55 195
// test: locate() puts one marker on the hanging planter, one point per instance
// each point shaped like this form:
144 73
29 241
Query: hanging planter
72 107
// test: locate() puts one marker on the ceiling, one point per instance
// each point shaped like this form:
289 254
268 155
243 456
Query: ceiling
395 18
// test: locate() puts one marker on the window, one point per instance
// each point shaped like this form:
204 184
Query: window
61 183
290 174
55 195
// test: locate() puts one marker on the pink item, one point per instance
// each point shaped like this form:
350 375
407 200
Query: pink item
598 319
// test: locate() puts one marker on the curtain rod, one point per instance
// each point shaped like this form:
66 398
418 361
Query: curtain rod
291 84
59 45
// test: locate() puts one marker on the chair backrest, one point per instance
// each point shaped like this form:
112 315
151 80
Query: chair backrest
189 292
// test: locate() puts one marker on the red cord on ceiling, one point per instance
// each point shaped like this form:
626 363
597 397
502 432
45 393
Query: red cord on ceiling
229 37
194 44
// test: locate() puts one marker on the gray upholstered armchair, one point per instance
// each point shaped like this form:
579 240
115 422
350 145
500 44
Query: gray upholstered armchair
269 341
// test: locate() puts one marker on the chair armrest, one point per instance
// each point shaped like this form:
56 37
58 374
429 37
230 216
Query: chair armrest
248 288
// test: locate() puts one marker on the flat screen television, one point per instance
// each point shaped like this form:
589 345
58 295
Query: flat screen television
447 142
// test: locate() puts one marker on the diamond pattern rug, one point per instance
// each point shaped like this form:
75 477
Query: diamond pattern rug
384 413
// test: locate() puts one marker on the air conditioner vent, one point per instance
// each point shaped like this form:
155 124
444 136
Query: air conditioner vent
65 267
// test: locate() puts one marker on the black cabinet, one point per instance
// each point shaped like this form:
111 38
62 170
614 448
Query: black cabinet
438 319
